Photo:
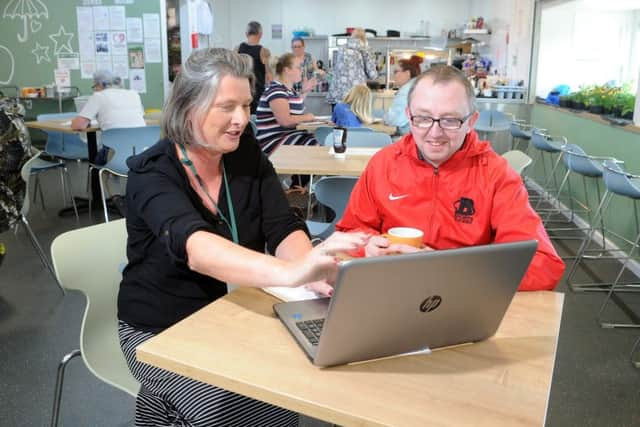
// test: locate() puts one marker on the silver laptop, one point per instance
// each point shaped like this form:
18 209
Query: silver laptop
384 306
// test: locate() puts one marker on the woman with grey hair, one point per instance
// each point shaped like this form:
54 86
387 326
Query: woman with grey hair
203 204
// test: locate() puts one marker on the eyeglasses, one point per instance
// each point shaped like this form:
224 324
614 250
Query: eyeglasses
445 123
297 46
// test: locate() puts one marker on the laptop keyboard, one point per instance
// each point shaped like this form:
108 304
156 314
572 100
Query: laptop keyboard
311 329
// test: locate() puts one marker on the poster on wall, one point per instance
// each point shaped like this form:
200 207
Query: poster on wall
136 57
62 78
151 23
134 30
100 18
120 65
152 50
116 18
68 61
87 68
102 42
137 81
118 43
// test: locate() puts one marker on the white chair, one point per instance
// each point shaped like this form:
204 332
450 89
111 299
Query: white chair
518 160
26 172
89 260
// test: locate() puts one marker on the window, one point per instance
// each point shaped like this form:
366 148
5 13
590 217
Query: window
588 42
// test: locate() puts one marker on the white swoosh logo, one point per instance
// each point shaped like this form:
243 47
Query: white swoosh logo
392 197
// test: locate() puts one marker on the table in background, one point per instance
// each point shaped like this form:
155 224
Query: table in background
237 343
317 160
378 127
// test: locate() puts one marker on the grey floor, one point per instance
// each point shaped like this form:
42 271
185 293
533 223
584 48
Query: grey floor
594 383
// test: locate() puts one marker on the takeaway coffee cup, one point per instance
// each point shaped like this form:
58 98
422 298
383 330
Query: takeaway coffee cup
405 235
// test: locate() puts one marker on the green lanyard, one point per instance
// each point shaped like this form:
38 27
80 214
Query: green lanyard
232 225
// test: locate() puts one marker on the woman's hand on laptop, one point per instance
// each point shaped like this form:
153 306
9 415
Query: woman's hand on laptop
321 263
320 287
380 245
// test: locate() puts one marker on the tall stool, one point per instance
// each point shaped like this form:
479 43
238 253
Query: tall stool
627 185
579 163
520 133
551 147
617 182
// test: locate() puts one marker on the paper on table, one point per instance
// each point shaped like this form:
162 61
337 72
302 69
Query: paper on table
291 294
359 151
323 117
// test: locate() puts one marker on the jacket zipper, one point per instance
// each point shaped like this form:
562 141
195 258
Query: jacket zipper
434 186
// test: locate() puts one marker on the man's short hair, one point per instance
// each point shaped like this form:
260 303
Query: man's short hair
254 28
445 74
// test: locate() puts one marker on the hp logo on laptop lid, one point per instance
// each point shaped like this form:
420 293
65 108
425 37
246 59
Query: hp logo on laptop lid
431 303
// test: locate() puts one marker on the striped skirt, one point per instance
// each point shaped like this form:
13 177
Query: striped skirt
168 399
270 143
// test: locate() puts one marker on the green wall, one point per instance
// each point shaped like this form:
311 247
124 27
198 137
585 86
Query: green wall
26 69
596 139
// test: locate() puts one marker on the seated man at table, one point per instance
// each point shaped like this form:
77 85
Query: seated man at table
204 204
443 180
112 106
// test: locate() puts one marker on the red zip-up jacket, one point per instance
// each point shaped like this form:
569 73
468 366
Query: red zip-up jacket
474 198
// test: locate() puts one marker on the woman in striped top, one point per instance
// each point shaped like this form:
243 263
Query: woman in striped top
281 108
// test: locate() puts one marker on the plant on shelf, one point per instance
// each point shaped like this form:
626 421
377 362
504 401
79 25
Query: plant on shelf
627 105
580 98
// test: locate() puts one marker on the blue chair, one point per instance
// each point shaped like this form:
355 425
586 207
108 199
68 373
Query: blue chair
61 147
125 142
321 133
66 146
627 185
332 192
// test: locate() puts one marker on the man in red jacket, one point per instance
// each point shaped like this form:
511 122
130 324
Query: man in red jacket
443 180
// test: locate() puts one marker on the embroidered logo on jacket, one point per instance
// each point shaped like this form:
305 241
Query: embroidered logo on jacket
464 210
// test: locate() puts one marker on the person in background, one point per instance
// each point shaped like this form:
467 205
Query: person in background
281 109
405 74
354 65
355 110
260 56
112 106
442 179
308 64
203 206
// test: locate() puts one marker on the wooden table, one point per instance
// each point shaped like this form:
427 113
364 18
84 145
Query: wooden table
379 127
316 160
237 343
62 125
